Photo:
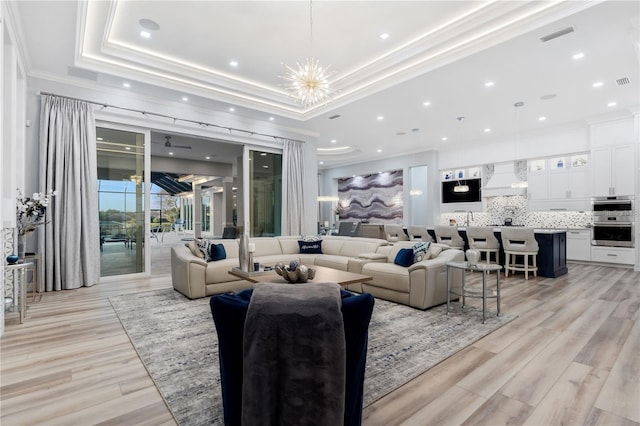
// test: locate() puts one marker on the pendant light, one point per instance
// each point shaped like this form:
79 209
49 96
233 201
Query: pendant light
460 187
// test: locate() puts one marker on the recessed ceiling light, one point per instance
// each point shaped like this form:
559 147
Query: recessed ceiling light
127 85
185 99
611 104
378 150
264 154
207 158
128 148
271 118
145 34
542 118
444 138
578 56
426 103
265 167
333 141
380 118
233 64
100 139
384 36
231 109
171 153
598 84
487 130
489 84
322 162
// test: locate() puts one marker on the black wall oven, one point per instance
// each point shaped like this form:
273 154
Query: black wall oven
613 222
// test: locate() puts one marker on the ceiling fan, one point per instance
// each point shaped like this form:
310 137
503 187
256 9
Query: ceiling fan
168 143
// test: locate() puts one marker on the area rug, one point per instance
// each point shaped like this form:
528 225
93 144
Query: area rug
176 340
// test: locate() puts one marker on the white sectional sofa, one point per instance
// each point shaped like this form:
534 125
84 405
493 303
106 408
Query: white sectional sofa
421 285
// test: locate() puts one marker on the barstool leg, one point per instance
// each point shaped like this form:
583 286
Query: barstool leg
526 266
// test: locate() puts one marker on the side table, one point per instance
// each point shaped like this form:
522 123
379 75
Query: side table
465 292
20 285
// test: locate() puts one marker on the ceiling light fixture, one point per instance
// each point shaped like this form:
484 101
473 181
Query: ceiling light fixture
384 36
145 34
598 84
185 99
233 64
489 84
426 103
611 104
542 118
578 56
309 82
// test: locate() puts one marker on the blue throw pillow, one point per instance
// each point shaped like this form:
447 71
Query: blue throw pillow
217 252
404 257
310 247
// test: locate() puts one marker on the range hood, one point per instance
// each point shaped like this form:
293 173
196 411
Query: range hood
504 182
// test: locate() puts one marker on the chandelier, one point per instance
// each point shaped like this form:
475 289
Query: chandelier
308 82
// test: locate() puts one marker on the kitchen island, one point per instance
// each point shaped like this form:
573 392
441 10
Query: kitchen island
552 250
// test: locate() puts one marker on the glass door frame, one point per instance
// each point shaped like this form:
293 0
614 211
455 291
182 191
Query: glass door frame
146 196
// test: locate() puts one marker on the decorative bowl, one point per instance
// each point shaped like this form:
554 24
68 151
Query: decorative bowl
473 256
12 258
295 273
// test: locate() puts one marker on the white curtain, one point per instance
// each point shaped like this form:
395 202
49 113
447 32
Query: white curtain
70 245
292 188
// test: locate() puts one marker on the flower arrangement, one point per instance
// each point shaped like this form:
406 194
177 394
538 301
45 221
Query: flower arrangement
30 211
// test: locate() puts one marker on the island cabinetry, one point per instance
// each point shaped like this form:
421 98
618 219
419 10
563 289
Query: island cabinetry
613 170
579 244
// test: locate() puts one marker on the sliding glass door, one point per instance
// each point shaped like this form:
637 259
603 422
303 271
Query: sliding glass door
121 201
265 189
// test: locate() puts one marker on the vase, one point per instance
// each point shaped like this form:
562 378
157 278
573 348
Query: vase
22 247
243 253
472 256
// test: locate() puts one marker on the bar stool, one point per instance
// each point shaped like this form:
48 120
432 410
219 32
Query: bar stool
483 240
519 242
418 232
394 233
449 235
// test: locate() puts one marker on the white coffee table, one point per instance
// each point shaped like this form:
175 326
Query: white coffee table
465 292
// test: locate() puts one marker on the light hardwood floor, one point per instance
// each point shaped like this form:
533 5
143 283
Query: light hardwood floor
571 357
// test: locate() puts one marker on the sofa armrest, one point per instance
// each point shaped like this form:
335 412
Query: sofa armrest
428 279
188 273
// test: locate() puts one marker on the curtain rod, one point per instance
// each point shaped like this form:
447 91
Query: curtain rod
186 120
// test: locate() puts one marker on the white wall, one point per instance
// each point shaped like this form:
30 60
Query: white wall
329 185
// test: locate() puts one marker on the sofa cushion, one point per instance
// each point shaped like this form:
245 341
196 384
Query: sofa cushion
310 247
218 272
352 247
420 251
332 261
195 249
387 275
217 252
333 246
404 257
266 246
433 251
289 245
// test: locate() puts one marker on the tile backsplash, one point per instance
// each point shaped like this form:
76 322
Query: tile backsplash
515 207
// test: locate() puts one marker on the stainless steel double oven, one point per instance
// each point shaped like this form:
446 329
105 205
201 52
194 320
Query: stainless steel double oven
613 221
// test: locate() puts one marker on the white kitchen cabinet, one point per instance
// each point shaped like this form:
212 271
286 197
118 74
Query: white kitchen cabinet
579 244
622 255
613 170
559 183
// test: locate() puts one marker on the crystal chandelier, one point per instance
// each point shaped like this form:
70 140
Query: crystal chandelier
309 82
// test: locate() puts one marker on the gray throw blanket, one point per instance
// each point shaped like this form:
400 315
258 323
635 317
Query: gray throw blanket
294 356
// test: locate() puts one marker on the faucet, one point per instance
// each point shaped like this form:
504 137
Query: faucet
469 213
